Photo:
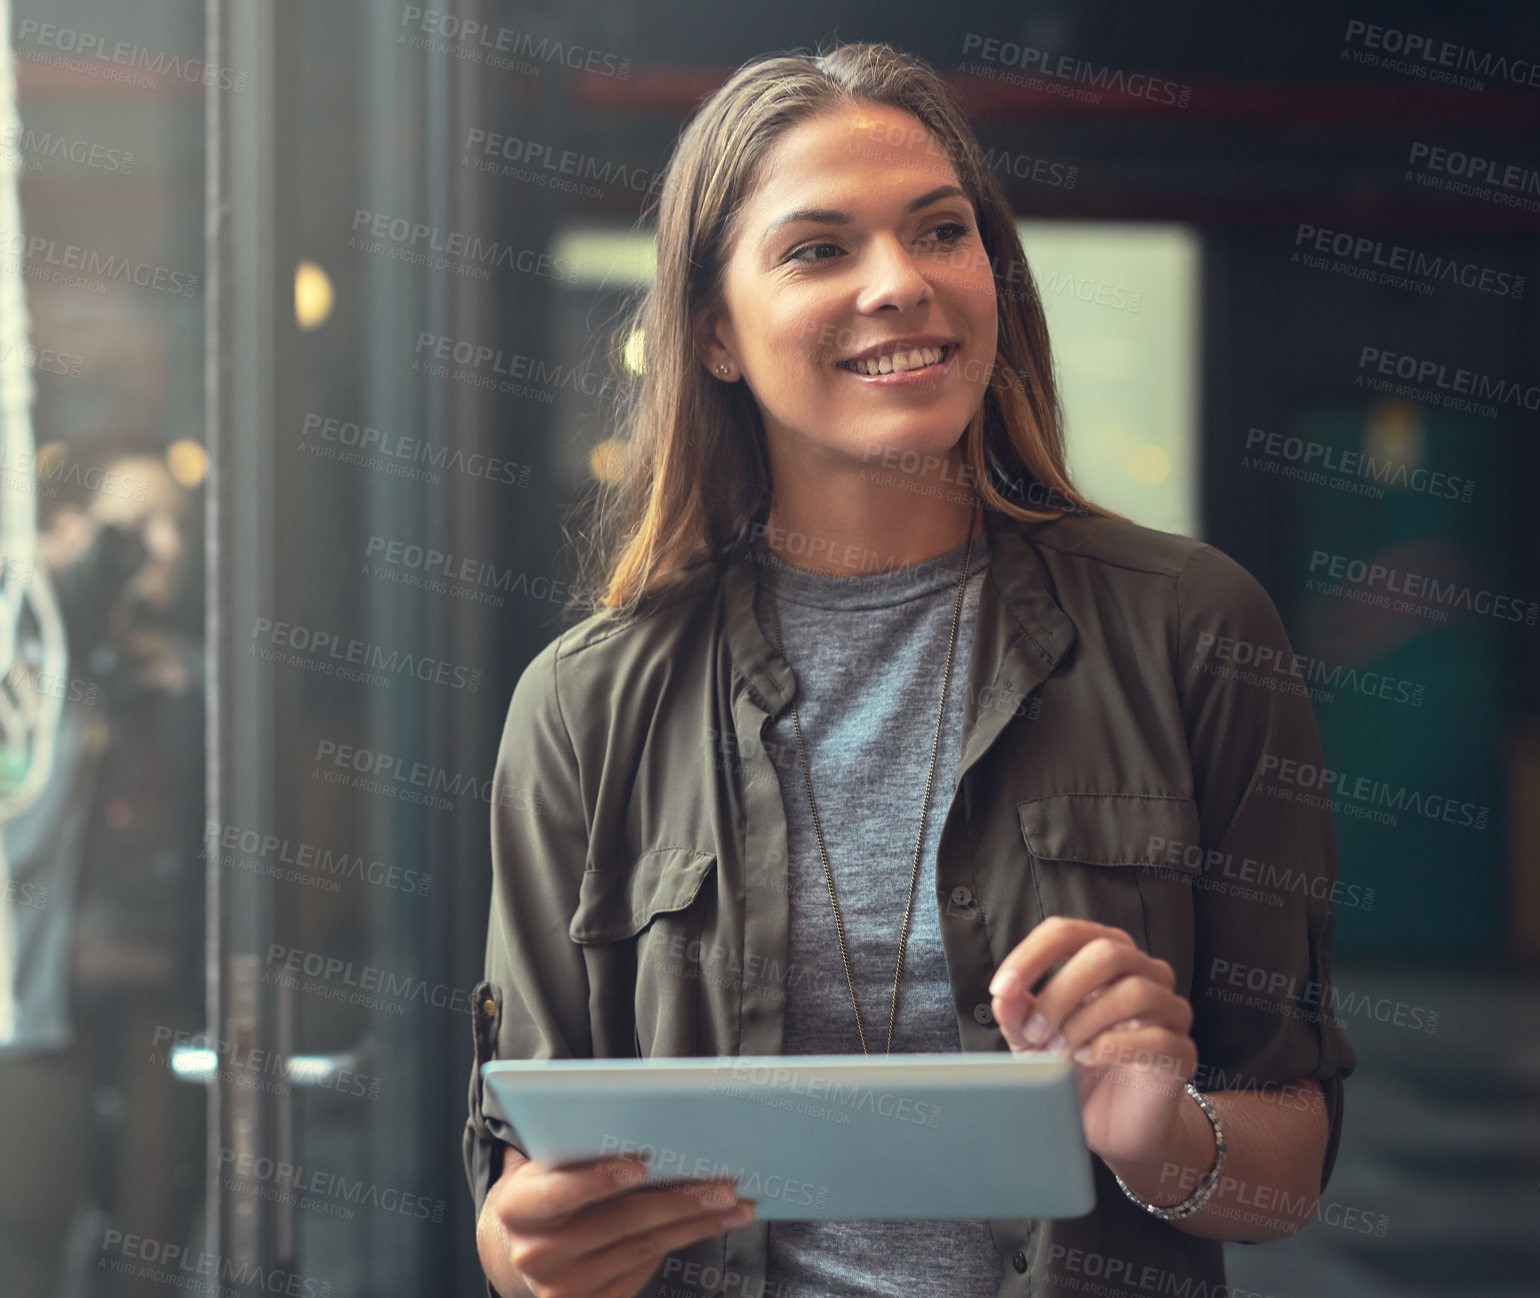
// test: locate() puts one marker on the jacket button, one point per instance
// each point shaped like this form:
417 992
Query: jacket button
961 896
1019 1261
489 1007
983 1013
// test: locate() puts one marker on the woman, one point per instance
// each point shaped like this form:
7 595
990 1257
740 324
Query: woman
857 622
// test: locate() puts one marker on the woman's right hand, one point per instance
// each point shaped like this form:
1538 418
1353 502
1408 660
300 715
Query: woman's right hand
585 1231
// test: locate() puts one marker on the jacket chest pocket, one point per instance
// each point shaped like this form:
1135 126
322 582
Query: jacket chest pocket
1119 859
647 933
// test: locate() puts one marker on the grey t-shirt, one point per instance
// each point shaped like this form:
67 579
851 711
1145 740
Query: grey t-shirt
869 652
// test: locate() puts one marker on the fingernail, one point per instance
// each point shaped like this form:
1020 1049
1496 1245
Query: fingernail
739 1216
720 1197
1058 1042
1036 1028
630 1174
1084 1054
1005 982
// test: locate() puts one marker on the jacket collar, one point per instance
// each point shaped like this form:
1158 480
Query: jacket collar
1022 634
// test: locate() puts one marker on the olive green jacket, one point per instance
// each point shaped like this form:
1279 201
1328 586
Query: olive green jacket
1111 751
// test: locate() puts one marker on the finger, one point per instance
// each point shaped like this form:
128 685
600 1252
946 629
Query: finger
651 1208
644 1238
1011 1010
630 1284
539 1193
694 1196
1014 1006
548 1248
1100 962
1144 1049
627 1285
1055 939
1013 999
1129 997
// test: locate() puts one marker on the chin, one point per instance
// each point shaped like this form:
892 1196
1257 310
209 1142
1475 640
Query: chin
924 437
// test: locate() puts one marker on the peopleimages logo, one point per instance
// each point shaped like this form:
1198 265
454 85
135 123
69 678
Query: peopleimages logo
1474 175
1421 271
53 471
1271 879
480 364
232 845
1357 473
1385 582
513 155
43 258
22 894
747 1080
1281 669
1361 794
315 649
1426 56
252 1068
453 250
179 1266
365 445
749 1182
44 360
1075 71
84 153
378 771
87 52
395 987
881 135
1472 383
296 1179
478 42
1309 999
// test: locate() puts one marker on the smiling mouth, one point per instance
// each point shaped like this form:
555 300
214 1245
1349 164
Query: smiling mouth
919 358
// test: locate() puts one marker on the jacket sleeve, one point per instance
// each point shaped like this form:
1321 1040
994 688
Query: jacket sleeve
1263 910
532 1003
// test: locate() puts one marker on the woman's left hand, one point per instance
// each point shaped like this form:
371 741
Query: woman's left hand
1113 1008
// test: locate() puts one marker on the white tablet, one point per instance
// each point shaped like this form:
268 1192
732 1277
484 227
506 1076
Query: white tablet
919 1136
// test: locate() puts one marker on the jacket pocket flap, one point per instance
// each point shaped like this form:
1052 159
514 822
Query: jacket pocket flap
1113 829
616 904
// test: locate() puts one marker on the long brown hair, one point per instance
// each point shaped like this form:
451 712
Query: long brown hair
694 466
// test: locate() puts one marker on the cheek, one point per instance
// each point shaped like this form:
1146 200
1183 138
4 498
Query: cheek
982 292
966 271
984 314
805 338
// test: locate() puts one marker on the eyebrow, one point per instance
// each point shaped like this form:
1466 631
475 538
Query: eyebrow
833 216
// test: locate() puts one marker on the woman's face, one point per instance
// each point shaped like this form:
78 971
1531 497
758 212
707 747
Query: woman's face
857 237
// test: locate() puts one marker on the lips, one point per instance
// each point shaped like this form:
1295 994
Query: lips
900 360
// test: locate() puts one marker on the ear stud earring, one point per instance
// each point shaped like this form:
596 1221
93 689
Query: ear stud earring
722 370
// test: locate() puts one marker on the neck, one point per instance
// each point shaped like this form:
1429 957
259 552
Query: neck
850 520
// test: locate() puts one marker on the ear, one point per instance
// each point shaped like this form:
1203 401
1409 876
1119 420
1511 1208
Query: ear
710 350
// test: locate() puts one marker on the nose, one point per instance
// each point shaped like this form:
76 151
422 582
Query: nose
893 277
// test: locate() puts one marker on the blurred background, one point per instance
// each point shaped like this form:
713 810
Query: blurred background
301 310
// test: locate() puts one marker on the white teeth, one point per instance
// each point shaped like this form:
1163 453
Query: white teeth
898 361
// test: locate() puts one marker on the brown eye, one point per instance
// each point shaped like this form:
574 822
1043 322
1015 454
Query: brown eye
957 227
797 255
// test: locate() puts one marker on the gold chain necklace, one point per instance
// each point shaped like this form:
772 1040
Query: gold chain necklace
807 777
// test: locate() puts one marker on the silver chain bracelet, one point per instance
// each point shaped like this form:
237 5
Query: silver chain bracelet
1206 1184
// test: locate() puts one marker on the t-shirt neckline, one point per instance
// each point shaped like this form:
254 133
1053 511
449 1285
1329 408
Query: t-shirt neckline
881 589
